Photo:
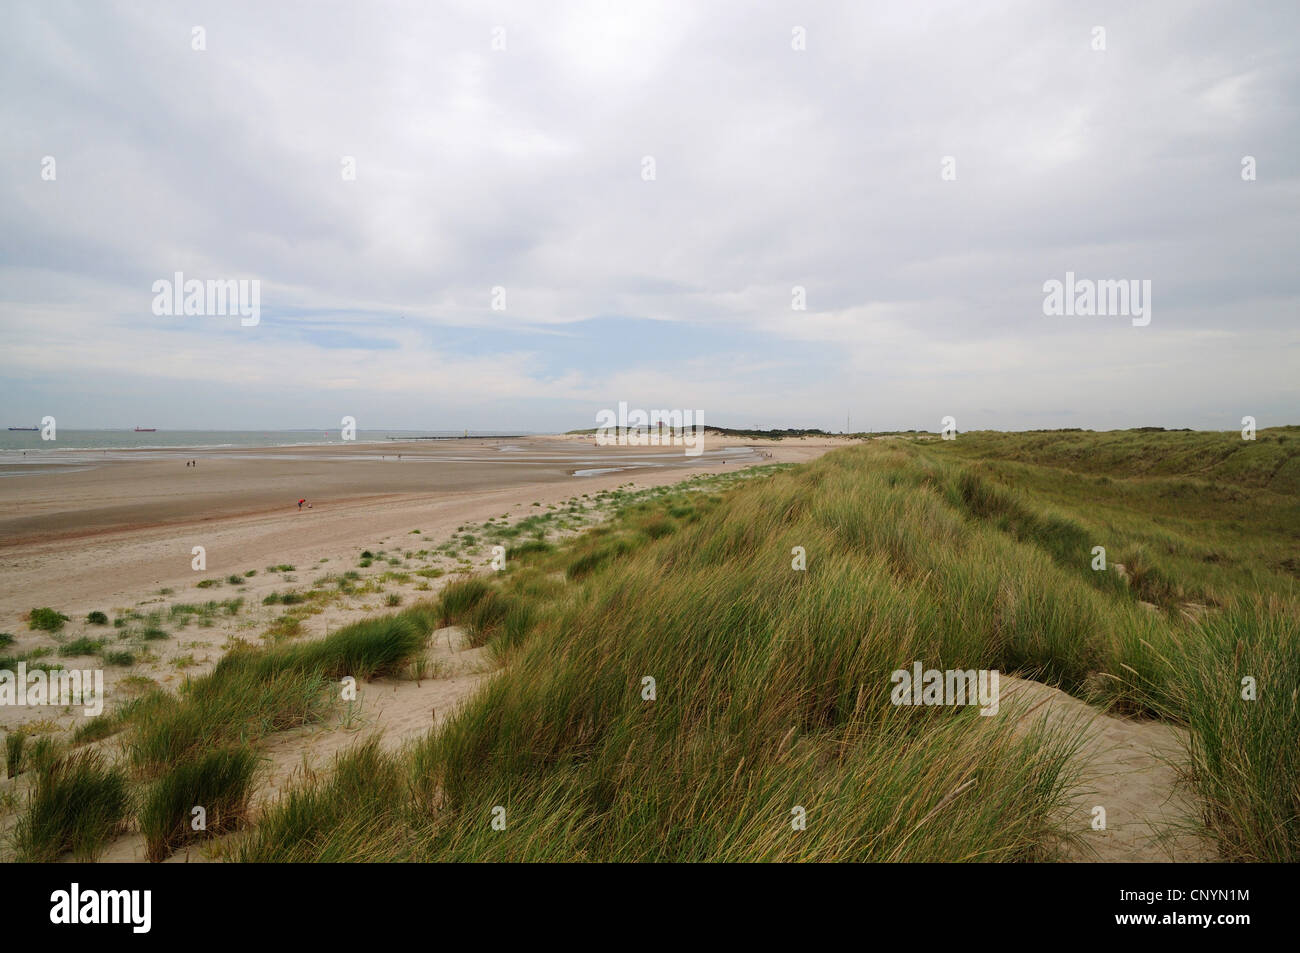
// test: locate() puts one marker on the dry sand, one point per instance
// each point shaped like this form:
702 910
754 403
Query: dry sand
1129 770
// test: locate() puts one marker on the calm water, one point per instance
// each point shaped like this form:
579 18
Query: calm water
24 453
30 440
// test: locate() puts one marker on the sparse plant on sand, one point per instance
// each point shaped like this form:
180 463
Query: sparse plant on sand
46 619
78 804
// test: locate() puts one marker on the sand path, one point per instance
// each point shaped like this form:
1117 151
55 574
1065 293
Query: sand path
1129 770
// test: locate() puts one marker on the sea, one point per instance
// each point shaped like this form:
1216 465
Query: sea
30 440
24 453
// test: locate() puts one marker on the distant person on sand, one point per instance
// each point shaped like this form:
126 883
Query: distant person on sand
301 502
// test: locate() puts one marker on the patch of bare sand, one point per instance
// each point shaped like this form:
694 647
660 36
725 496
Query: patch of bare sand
397 710
1129 769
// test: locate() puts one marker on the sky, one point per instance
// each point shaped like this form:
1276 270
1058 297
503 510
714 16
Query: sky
503 255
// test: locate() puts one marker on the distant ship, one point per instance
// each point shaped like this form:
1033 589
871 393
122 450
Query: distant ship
24 428
140 429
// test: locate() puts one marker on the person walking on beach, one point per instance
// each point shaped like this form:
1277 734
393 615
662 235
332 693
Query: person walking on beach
301 502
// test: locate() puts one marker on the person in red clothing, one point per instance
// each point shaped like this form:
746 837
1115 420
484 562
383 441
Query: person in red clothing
300 503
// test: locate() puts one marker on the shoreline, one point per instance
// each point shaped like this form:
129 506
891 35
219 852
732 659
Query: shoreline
144 569
110 536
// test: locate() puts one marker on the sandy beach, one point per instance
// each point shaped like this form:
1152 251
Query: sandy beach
117 535
107 535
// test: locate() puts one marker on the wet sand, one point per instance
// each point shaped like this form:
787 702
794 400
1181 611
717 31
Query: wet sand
88 493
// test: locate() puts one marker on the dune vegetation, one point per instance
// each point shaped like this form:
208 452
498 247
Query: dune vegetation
771 685
707 675
198 747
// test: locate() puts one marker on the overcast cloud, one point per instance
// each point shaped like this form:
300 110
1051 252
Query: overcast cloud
775 168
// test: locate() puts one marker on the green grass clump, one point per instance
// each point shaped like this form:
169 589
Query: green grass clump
486 616
46 619
285 599
97 618
528 548
219 781
355 814
42 753
591 558
214 713
206 613
285 627
459 597
1244 755
82 646
14 742
97 728
119 657
77 805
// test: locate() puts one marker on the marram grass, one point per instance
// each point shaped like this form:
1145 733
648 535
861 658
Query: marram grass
673 690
